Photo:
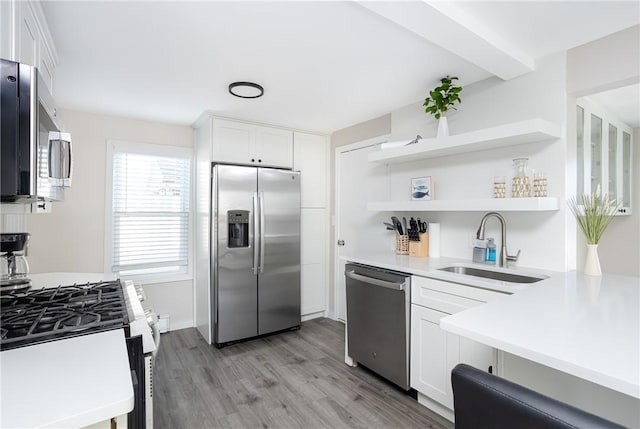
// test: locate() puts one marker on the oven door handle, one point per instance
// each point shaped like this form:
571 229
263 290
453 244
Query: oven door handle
375 282
152 320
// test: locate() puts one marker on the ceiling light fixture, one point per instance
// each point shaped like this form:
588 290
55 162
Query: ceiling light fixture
246 89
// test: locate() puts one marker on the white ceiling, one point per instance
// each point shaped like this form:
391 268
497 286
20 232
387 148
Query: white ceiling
324 65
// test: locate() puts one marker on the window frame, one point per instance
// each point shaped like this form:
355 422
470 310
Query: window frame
114 146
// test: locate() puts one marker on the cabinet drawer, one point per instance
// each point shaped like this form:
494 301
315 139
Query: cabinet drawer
441 301
446 296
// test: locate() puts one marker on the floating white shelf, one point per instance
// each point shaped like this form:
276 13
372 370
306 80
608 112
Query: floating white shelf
475 205
529 131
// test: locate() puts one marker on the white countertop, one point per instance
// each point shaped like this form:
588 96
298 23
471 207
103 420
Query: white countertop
66 383
586 326
428 267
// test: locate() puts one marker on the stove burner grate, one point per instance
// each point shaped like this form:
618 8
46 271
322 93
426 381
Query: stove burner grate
48 314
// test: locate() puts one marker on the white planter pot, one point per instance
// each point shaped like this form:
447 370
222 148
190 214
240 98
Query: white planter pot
443 127
592 262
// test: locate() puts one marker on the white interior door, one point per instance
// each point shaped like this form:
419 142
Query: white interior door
358 182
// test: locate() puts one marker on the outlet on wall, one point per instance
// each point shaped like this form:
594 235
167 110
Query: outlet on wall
164 324
41 207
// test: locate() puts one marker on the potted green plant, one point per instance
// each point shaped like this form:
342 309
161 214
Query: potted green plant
593 214
440 100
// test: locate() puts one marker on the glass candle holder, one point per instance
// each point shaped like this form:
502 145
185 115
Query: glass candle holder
499 187
539 184
520 184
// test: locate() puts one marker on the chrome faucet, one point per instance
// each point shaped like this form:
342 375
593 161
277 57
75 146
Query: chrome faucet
504 257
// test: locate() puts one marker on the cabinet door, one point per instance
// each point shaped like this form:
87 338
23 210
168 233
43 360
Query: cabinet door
625 185
435 352
7 33
273 147
603 154
310 158
312 260
313 290
433 355
27 35
232 142
46 67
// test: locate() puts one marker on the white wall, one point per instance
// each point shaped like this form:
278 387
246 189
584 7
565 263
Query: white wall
363 131
71 238
540 94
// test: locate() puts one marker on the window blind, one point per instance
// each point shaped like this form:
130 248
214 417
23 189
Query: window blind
150 214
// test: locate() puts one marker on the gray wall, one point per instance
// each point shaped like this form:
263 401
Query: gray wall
619 249
604 64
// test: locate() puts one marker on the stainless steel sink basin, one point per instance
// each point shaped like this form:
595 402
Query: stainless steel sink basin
494 275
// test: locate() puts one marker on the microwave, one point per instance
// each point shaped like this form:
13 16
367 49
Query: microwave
36 157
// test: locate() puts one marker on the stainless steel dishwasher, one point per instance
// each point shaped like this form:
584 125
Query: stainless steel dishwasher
378 315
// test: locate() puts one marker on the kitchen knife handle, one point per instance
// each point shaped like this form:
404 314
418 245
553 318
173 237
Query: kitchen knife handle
256 239
261 198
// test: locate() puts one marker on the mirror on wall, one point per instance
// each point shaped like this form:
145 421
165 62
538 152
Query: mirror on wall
605 123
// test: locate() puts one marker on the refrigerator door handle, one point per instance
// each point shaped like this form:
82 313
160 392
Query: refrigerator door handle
254 268
261 198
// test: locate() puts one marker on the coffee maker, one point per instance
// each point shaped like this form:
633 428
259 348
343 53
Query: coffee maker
14 269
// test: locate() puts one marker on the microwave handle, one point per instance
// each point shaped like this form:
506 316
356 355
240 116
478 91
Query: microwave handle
57 153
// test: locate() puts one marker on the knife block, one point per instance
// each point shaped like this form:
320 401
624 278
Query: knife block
402 244
420 249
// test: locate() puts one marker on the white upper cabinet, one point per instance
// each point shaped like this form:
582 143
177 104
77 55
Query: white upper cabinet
28 39
25 37
232 141
242 143
310 156
604 150
6 29
46 65
273 147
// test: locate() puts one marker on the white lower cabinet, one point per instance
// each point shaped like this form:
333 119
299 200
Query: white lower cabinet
435 352
312 261
313 290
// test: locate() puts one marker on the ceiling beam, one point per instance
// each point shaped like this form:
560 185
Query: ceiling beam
447 25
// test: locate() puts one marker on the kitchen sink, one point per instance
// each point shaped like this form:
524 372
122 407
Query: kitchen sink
494 275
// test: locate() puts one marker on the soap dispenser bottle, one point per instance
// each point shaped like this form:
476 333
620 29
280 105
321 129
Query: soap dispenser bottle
480 251
491 251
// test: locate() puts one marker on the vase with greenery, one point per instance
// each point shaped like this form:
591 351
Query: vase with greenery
594 212
441 99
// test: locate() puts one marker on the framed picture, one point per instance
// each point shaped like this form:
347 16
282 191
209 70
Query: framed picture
421 189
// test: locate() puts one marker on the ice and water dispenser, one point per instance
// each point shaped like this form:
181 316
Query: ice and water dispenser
238 228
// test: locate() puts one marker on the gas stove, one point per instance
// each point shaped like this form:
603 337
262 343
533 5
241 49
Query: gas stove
58 313
48 314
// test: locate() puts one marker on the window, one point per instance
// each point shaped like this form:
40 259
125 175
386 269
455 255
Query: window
148 210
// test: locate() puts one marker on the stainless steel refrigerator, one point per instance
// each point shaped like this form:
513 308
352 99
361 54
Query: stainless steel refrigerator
255 252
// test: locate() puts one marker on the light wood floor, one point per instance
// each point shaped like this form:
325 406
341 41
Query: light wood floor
293 380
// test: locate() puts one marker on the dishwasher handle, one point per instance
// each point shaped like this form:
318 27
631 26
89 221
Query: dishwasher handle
376 282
